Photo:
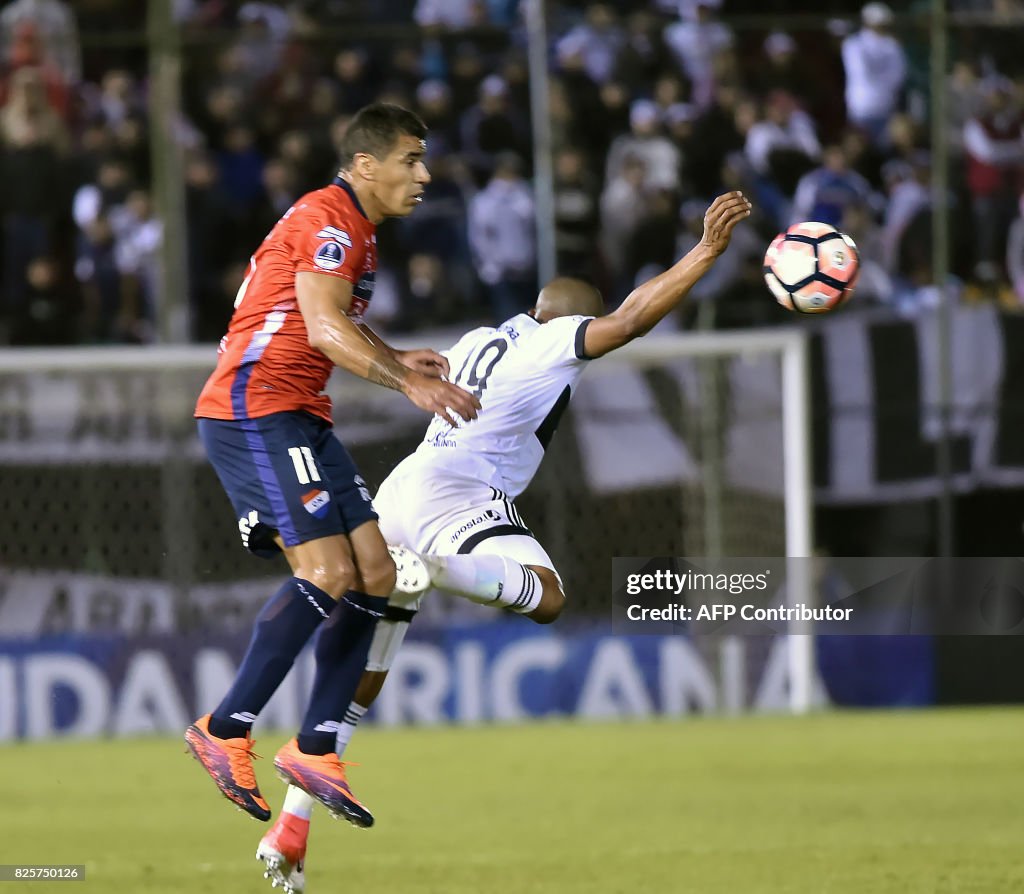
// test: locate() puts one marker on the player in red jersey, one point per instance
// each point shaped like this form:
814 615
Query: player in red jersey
266 427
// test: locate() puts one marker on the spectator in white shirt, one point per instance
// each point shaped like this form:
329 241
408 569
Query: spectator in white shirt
994 150
783 144
503 240
138 234
908 186
646 142
451 14
264 32
623 205
876 70
695 42
599 39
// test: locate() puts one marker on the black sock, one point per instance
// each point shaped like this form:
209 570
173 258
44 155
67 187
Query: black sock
283 627
341 650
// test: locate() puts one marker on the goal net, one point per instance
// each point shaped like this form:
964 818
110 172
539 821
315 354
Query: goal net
679 445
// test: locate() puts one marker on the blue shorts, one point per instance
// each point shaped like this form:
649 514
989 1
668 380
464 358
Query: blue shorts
286 474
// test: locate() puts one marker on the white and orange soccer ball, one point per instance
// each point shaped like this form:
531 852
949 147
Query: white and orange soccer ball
811 268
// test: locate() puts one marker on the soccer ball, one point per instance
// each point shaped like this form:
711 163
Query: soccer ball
811 268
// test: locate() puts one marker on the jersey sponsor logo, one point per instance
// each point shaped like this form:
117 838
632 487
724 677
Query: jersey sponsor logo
509 330
316 503
489 515
335 235
329 256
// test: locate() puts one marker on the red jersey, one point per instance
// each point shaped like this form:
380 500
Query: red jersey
265 363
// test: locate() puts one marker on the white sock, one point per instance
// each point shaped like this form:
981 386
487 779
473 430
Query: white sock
298 803
348 726
490 580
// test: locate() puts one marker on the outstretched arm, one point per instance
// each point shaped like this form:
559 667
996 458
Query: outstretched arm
649 303
323 301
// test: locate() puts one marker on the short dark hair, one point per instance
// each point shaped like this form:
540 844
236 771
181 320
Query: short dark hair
376 128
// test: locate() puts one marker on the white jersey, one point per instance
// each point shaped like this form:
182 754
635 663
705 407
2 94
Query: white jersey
524 373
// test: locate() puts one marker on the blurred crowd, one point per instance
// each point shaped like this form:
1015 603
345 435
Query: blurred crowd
655 107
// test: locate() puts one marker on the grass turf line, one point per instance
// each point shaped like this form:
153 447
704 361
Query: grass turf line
832 803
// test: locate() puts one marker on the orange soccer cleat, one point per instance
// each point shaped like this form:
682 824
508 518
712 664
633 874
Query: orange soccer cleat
283 853
322 776
229 763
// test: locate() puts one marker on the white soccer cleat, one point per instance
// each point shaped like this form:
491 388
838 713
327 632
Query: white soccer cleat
283 854
412 576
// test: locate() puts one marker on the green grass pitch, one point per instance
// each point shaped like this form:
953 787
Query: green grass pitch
837 802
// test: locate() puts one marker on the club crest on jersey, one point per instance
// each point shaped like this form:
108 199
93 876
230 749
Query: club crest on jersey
316 503
329 256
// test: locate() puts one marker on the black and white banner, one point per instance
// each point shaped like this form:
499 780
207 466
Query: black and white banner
877 413
875 406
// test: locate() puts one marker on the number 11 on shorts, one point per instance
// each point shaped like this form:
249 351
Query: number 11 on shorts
305 465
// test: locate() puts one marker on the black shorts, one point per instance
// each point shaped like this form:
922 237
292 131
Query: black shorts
286 474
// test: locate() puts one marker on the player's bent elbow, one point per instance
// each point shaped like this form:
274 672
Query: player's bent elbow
319 340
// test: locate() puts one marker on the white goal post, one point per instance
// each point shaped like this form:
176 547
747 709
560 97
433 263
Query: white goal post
791 345
170 375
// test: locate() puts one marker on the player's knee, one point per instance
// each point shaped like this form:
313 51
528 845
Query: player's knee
378 576
335 578
552 601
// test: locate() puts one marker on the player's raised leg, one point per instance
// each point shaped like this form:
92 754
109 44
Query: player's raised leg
273 508
222 741
288 836
481 579
531 589
310 761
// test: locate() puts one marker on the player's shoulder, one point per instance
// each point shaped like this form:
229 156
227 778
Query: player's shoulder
570 322
326 222
560 339
560 328
330 205
473 337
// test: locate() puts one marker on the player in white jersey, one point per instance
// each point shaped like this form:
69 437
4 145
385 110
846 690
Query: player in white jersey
450 503
456 491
